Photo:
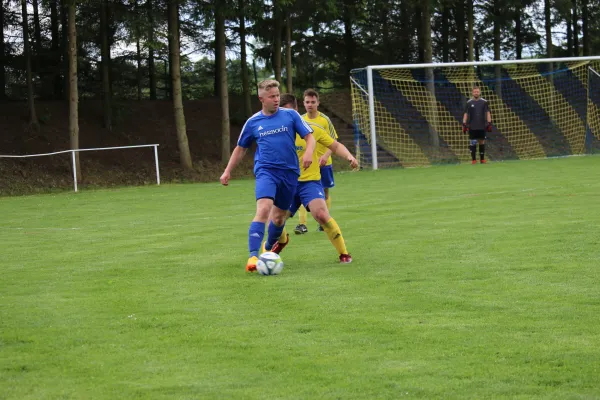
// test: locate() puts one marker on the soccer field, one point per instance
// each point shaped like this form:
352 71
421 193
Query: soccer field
467 282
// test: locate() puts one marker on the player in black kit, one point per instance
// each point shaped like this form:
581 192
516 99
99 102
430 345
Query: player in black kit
477 120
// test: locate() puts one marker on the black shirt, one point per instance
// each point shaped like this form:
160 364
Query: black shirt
476 111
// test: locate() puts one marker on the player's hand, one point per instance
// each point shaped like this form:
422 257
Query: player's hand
465 128
323 161
488 127
353 162
225 178
306 161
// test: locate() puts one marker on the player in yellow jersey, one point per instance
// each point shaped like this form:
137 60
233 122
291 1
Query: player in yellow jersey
311 103
309 192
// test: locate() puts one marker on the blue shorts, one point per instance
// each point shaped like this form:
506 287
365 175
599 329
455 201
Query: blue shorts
327 176
278 185
307 192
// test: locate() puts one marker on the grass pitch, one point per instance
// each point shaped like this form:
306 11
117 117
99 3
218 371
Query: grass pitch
468 282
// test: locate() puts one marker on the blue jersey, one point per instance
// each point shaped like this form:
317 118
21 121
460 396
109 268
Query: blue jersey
275 136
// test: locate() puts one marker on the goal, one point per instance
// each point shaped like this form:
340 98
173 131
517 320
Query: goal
411 115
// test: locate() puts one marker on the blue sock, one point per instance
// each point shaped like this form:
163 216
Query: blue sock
256 233
274 232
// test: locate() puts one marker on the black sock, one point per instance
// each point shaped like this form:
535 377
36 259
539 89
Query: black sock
482 151
473 149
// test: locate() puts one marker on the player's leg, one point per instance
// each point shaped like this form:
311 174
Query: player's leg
482 151
256 232
286 190
327 182
265 190
317 206
301 227
473 147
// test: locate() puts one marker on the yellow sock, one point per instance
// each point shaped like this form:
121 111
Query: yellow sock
334 234
328 202
283 237
302 215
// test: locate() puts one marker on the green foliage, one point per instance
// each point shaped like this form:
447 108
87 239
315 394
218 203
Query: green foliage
328 38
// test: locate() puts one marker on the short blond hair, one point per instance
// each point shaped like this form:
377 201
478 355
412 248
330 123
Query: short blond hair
268 84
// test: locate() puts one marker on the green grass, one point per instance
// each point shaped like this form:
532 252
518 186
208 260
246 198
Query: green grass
468 282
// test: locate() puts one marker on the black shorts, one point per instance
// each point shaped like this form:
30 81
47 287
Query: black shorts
476 134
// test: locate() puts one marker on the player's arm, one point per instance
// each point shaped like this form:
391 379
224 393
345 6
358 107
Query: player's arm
305 132
244 142
324 158
465 118
334 136
236 156
342 151
488 116
307 158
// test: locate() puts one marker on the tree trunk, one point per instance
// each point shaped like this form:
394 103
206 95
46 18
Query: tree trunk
218 45
388 51
277 41
497 43
169 87
55 49
105 53
151 68
569 35
585 26
575 30
244 65
27 52
37 29
405 33
459 16
138 72
445 31
182 139
64 44
470 18
2 53
288 54
224 95
430 77
518 34
419 28
548 27
73 91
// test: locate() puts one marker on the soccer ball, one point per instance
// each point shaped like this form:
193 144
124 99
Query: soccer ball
269 263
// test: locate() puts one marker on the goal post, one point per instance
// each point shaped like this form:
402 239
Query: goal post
411 114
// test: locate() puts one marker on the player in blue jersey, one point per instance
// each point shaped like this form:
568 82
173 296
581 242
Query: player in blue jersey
276 164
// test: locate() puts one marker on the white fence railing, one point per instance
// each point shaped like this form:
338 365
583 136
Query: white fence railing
73 151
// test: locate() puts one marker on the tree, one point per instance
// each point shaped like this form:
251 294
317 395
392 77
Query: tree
288 52
585 27
518 30
105 53
2 54
548 27
73 89
223 92
27 52
55 49
182 139
470 17
575 29
428 58
37 29
243 57
277 39
151 45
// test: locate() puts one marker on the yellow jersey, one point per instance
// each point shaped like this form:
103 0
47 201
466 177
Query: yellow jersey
323 121
312 173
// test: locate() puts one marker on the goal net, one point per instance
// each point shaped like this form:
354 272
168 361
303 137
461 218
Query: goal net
411 115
